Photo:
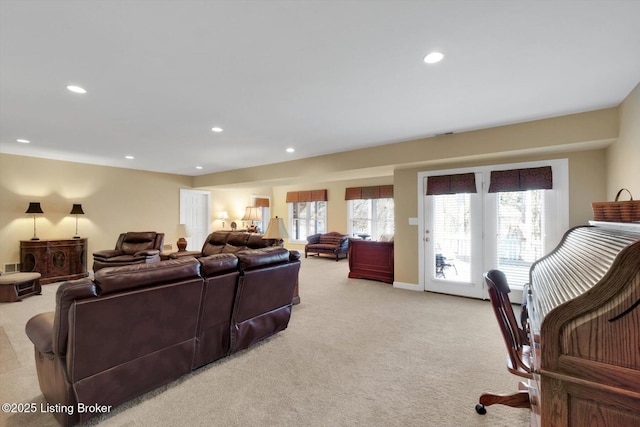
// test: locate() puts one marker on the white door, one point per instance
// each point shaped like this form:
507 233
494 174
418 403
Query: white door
452 239
195 213
464 235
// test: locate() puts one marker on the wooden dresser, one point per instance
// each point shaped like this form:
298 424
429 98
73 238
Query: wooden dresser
584 315
371 260
55 260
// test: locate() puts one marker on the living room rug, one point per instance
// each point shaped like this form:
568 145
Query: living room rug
356 353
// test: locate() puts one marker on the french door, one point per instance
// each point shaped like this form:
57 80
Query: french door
465 234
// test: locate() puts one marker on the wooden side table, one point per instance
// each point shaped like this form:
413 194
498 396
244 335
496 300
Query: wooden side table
16 286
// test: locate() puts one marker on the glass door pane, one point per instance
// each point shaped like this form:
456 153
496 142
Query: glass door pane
452 237
520 233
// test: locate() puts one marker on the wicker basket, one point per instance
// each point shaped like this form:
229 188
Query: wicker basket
623 211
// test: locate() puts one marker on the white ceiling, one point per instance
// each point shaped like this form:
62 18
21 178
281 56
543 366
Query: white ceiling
319 76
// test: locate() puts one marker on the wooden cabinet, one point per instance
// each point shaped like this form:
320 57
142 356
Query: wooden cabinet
55 260
371 260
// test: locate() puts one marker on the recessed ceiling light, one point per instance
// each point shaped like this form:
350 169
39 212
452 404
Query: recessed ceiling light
76 89
129 157
290 150
198 167
433 57
216 129
24 141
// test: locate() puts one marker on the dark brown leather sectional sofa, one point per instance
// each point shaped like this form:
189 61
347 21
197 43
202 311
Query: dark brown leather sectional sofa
135 328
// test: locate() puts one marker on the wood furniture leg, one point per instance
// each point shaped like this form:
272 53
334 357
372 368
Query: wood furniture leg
515 400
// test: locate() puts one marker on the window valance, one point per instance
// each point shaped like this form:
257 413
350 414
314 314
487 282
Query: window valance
307 196
373 192
451 184
521 179
260 202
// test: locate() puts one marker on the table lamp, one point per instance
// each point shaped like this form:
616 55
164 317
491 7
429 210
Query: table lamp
34 208
76 210
276 230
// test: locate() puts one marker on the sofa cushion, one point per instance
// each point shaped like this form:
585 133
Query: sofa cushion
330 239
256 241
255 258
116 279
238 238
212 249
138 241
231 249
218 238
217 264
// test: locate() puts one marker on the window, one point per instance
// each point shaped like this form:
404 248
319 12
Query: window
373 217
307 214
263 204
307 218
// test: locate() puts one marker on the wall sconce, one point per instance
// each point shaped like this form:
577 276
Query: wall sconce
34 209
276 230
182 231
76 210
223 216
252 214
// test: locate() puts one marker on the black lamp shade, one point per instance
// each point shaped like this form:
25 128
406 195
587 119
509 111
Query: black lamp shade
76 210
34 208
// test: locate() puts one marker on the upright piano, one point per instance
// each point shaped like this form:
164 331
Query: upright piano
583 303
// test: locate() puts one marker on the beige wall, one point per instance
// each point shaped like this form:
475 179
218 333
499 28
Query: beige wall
587 175
623 157
572 132
117 200
114 200
336 205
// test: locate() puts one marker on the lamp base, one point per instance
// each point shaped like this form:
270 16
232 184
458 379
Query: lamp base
181 244
76 237
35 238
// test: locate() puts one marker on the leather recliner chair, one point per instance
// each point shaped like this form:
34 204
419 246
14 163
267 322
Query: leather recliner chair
134 247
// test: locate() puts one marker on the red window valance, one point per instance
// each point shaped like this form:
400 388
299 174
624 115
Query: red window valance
374 192
521 179
307 196
260 202
451 184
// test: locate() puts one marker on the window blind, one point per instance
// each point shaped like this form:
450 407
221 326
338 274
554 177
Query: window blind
521 179
451 184
373 192
260 202
307 196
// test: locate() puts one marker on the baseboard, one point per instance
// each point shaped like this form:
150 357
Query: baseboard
409 286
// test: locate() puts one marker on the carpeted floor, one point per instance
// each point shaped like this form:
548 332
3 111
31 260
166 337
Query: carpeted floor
356 353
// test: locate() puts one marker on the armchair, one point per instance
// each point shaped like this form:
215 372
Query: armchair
131 248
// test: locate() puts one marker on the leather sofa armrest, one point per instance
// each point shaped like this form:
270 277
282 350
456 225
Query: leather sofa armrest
176 255
147 253
108 253
39 329
294 255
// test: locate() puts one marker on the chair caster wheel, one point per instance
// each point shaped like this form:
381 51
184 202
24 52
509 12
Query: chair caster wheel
480 409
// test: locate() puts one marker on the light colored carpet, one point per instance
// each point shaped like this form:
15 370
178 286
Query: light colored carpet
356 353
